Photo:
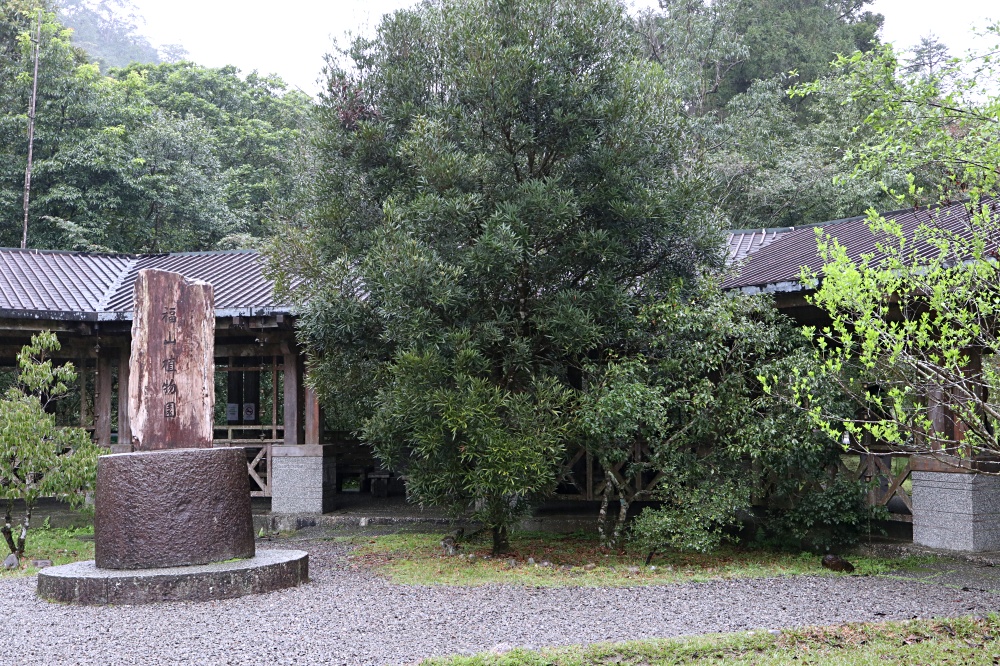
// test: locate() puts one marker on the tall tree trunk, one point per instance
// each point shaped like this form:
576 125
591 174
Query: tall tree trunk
603 529
622 514
31 135
501 540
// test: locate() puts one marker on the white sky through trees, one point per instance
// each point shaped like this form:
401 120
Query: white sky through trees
289 37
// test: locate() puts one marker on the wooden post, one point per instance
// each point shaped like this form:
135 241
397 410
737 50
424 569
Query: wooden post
81 375
936 413
293 398
102 400
251 392
314 420
124 423
274 398
234 393
973 370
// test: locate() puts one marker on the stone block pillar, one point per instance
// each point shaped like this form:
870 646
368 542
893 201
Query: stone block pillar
303 478
956 511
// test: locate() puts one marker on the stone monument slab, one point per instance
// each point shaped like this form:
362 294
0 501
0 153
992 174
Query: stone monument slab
172 366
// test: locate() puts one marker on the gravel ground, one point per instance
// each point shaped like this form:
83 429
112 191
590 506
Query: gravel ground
345 617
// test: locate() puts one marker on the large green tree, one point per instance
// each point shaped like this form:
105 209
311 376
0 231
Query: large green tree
107 30
254 123
775 160
499 186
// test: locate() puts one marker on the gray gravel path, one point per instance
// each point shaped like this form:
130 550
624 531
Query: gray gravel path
344 617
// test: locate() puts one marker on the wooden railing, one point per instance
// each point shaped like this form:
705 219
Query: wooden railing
582 477
877 469
256 440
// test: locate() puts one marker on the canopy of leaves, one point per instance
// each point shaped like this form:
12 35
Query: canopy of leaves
714 442
37 459
107 30
152 158
914 325
499 186
775 161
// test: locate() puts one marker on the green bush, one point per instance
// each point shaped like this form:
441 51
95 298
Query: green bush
38 459
693 519
822 519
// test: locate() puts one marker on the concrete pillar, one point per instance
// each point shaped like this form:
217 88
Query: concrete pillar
303 479
956 511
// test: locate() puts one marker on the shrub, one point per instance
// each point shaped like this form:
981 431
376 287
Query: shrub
37 459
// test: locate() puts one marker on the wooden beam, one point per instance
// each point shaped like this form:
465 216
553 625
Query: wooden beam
124 422
102 400
293 398
54 325
314 420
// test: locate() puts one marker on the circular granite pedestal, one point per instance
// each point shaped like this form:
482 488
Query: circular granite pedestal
171 508
84 583
173 525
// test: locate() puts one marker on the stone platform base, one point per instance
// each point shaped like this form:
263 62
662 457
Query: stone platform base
84 583
956 511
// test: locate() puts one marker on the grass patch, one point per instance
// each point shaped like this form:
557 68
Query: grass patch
61 545
578 560
955 641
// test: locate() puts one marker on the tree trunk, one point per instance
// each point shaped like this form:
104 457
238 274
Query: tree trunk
6 529
501 540
31 134
622 514
24 533
602 517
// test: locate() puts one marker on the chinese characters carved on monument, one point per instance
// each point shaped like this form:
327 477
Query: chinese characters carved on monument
172 396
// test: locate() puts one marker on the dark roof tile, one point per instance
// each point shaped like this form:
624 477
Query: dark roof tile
781 261
84 286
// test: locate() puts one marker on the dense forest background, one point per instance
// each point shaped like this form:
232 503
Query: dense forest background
133 152
137 149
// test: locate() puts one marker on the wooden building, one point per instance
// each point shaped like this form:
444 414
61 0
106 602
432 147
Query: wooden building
951 505
262 403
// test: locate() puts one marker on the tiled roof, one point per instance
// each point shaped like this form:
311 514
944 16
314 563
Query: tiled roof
744 243
93 287
778 265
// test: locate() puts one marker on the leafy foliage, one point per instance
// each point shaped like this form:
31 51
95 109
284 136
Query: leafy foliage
774 160
152 158
37 459
718 447
107 31
491 207
827 518
912 324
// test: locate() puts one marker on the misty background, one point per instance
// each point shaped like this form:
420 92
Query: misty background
292 39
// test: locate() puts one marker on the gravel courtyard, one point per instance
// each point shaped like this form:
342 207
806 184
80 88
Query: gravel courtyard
343 617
